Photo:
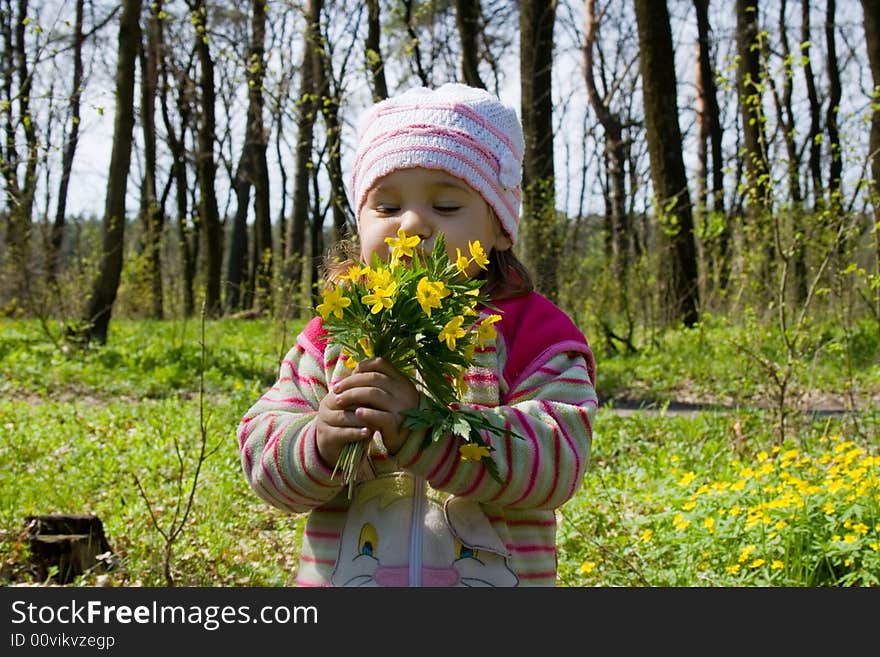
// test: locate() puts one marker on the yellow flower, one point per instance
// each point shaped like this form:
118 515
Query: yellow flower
777 564
687 478
429 294
757 563
473 452
452 332
461 262
485 331
709 523
647 535
402 246
478 254
365 345
355 272
350 360
378 277
333 304
380 298
746 553
733 569
587 567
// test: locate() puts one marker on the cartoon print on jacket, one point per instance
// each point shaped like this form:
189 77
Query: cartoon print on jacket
459 547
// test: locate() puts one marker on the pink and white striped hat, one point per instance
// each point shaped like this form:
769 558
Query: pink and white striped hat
465 131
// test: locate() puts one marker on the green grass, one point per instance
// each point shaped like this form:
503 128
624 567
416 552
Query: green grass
709 499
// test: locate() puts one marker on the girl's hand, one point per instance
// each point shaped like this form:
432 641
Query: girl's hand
374 398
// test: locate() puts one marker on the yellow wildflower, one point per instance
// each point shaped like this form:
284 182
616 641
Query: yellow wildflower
746 553
461 262
477 253
757 563
587 567
472 452
485 331
380 298
333 304
452 332
429 294
365 345
777 565
355 272
402 246
647 535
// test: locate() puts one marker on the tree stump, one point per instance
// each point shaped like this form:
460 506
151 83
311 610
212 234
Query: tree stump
69 543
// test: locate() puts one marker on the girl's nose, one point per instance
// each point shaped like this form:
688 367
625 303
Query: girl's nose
415 222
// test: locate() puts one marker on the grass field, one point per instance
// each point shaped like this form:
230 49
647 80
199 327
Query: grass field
711 498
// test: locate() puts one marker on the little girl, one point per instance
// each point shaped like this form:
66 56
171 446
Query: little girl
428 162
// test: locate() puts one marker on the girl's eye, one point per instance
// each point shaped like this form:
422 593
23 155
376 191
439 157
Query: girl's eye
386 209
447 208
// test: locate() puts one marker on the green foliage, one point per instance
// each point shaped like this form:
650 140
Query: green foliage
78 426
706 501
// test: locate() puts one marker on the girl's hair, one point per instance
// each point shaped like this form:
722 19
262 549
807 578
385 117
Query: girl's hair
505 275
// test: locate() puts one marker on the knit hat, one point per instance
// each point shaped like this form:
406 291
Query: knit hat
464 131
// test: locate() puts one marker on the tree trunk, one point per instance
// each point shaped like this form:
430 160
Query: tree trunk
206 168
468 19
237 293
656 59
106 285
152 215
375 61
306 113
871 10
615 151
786 119
252 171
70 144
416 57
540 236
187 237
712 121
835 166
750 102
815 158
19 192
328 101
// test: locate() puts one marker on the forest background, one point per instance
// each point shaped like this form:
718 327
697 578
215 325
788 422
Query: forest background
700 194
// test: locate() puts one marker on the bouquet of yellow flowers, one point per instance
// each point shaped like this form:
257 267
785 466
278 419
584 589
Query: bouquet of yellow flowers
419 312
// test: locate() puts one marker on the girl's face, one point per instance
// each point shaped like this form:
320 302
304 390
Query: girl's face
426 202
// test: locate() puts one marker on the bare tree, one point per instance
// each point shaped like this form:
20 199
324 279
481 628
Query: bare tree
540 234
373 52
71 141
672 199
615 152
152 215
468 18
252 171
871 10
17 88
709 126
206 167
306 114
812 136
749 85
178 77
835 165
106 285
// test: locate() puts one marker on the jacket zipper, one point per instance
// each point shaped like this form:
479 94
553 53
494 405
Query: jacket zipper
416 533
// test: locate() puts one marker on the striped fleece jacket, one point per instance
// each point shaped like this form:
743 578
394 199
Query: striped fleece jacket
424 516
